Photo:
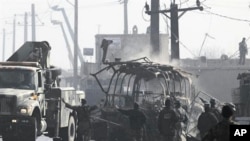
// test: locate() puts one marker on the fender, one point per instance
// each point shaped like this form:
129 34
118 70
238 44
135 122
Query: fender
28 106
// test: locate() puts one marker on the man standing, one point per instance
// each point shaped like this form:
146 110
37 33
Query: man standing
137 121
215 110
183 119
167 120
83 115
206 121
243 51
220 132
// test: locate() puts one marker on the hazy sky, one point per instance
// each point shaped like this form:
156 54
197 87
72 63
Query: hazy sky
226 21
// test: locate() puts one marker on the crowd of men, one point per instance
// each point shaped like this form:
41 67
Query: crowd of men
215 125
171 121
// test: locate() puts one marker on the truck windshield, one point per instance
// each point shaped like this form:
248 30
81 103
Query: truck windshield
20 79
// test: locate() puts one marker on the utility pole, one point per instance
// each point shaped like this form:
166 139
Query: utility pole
33 22
25 27
76 46
3 45
154 27
174 17
70 30
66 40
125 16
14 33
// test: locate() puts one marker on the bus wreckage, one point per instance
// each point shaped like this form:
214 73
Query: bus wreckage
148 84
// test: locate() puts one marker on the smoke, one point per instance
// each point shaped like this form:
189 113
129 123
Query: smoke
138 48
130 53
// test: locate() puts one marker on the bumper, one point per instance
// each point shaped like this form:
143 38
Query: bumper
15 124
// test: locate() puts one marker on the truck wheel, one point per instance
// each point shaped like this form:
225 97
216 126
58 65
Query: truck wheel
30 133
71 129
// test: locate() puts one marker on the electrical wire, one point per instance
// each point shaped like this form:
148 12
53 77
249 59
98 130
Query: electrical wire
49 4
222 16
183 45
70 3
234 54
227 17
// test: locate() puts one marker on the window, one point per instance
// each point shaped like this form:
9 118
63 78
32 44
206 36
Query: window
17 78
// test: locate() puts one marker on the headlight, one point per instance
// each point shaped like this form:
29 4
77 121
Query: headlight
14 121
25 110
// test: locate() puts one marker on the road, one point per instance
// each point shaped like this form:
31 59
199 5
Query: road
44 138
41 138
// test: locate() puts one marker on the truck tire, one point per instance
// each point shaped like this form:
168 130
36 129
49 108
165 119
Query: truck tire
31 133
69 133
71 128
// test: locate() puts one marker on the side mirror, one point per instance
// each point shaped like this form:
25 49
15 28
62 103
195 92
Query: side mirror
39 91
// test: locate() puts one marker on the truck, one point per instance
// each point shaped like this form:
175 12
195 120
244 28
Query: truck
31 97
241 97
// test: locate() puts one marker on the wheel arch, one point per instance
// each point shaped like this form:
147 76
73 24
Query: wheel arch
36 113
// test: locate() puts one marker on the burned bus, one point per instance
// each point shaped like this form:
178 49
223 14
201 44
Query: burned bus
149 84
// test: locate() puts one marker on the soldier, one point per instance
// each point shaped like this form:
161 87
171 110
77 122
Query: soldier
83 115
243 51
220 132
214 110
183 118
233 107
167 121
206 120
137 121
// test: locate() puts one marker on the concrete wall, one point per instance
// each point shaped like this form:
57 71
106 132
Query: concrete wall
216 77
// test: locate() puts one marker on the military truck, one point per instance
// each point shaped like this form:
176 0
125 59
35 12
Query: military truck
241 98
31 97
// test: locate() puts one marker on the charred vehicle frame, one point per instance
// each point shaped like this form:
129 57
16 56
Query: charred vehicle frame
144 82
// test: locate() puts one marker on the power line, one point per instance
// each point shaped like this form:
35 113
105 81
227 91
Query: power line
183 45
191 52
217 14
227 17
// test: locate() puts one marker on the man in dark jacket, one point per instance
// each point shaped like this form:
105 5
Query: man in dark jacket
83 116
215 110
206 120
167 120
137 121
183 119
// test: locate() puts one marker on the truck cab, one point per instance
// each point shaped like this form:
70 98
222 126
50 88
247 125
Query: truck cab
21 95
31 99
22 77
